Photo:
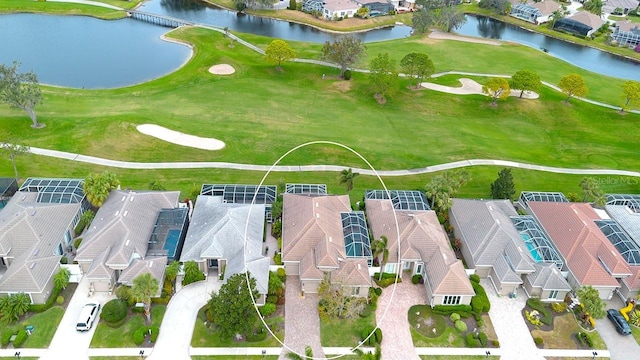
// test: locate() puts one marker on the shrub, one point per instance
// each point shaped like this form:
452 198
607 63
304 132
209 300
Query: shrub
60 300
378 335
559 307
258 335
378 291
480 322
164 300
415 279
584 338
272 299
495 343
21 337
461 326
366 312
471 340
114 311
538 340
347 74
536 304
6 337
77 242
277 258
484 340
463 310
474 278
64 260
454 317
138 335
282 274
155 331
38 308
480 302
268 309
386 281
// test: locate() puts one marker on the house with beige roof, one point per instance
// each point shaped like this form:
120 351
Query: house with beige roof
225 239
133 233
582 23
322 237
591 259
36 230
417 243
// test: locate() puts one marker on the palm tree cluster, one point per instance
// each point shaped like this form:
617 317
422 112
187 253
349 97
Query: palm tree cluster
591 191
98 186
443 188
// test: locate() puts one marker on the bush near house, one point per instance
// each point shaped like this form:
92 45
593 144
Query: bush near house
415 279
21 337
6 337
460 325
463 310
538 340
545 314
559 307
267 309
472 341
375 338
475 278
282 274
114 312
483 338
480 301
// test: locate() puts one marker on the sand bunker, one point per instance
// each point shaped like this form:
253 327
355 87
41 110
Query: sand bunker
222 69
471 87
435 34
179 138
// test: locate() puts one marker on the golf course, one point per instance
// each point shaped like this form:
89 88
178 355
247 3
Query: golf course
260 113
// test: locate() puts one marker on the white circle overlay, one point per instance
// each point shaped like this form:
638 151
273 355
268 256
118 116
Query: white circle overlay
246 229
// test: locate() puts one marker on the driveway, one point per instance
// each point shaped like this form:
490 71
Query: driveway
174 340
620 347
67 343
392 317
302 321
506 315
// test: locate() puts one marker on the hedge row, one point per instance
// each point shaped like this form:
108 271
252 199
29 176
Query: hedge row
138 335
446 310
480 301
38 308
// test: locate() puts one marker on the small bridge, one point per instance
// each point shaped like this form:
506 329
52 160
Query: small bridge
161 20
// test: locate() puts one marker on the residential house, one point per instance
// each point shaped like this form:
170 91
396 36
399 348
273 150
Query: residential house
546 283
129 236
619 7
626 33
313 6
226 238
376 7
582 23
534 12
590 257
322 236
339 9
417 243
623 230
403 5
36 231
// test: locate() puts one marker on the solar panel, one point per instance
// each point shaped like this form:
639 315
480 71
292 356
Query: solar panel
630 200
625 246
527 196
55 191
537 242
356 235
306 189
241 194
401 199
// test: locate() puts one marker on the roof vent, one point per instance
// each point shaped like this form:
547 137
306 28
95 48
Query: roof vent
131 199
117 212
490 208
359 267
32 265
127 242
123 197
125 213
419 222
498 221
444 256
318 216
316 204
33 212
150 263
36 252
330 239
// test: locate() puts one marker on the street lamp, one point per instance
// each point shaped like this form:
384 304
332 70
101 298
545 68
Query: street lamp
594 354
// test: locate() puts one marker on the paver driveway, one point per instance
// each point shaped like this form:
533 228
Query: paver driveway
620 347
392 316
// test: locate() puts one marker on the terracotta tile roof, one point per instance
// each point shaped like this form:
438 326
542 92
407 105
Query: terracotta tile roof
422 239
308 269
589 254
353 272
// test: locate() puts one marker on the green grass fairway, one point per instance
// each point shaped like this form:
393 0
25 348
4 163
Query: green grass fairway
30 6
261 113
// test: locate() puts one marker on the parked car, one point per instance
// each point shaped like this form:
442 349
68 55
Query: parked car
622 326
87 317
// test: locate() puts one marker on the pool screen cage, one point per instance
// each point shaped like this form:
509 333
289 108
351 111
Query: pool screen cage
632 201
356 236
625 246
168 220
572 27
538 240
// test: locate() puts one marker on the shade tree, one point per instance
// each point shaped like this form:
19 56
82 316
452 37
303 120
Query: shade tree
631 93
573 85
383 77
20 90
345 51
417 65
277 52
10 148
232 307
503 187
496 88
525 80
590 299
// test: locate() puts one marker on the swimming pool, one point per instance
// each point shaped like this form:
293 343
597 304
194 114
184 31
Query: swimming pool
531 247
171 244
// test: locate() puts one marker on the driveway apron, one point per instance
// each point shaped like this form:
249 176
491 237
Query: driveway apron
506 315
620 347
394 321
302 321
176 331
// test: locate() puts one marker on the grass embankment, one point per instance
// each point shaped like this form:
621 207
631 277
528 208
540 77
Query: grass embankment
344 333
45 325
261 113
58 8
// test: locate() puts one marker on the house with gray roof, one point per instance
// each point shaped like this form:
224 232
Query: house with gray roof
226 239
417 243
546 283
118 240
36 229
322 236
505 247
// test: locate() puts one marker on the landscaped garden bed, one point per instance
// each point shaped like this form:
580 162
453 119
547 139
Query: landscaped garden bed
123 333
558 329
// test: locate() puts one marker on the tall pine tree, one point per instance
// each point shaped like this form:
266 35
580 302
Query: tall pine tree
503 187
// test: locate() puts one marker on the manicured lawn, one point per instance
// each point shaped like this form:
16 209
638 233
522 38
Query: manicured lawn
30 6
342 332
561 337
635 19
45 325
108 337
423 336
206 336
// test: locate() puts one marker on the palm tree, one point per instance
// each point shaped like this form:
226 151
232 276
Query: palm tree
171 273
145 287
346 177
590 189
308 354
61 278
376 355
98 186
13 306
380 247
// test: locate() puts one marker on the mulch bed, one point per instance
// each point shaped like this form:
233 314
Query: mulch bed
543 327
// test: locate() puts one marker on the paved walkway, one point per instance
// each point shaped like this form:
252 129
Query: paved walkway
176 331
392 317
302 322
333 168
